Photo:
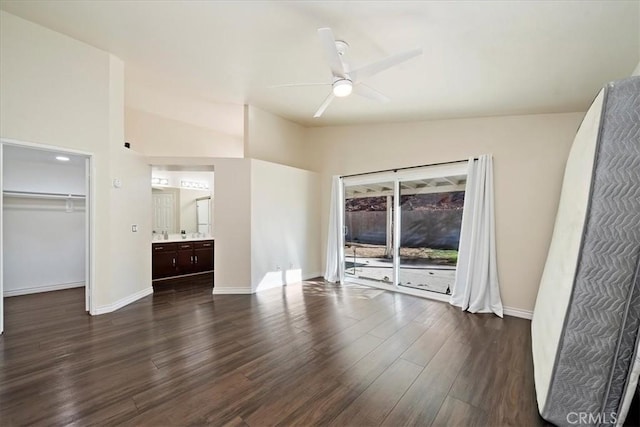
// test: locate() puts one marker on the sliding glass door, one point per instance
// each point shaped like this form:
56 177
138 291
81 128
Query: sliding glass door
402 229
368 242
430 220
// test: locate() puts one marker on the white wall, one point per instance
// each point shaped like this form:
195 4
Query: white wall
130 259
44 246
154 135
529 152
285 239
57 91
273 139
232 226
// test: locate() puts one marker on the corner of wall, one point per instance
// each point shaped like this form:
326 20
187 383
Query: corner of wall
275 139
246 144
129 204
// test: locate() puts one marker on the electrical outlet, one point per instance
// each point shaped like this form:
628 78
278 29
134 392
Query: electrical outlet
134 228
277 268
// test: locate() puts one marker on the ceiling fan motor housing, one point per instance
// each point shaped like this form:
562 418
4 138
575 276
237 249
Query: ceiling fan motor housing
342 47
342 87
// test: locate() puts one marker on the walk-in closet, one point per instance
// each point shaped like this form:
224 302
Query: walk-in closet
44 220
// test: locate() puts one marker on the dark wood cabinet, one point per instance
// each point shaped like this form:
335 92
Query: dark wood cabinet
163 260
177 259
185 258
203 256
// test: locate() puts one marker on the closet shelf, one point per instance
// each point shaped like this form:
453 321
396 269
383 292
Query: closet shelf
38 195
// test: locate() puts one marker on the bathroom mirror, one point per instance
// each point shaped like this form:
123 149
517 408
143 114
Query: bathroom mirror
176 209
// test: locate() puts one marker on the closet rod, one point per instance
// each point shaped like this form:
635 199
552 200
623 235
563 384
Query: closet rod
36 194
408 167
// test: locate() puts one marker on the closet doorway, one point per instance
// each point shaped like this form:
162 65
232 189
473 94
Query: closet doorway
45 214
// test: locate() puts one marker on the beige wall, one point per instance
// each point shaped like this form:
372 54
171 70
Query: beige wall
130 260
232 225
529 158
285 239
636 72
273 139
154 135
60 92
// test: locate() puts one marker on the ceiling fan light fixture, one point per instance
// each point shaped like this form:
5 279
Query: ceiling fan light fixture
342 88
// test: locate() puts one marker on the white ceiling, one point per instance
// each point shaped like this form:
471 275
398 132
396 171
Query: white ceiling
13 153
481 58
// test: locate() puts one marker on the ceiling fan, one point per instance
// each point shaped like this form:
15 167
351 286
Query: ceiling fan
347 81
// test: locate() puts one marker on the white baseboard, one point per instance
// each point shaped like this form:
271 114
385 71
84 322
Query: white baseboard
308 276
122 302
45 288
508 311
517 312
231 290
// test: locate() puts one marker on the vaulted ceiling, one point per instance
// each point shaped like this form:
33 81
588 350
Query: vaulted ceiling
481 58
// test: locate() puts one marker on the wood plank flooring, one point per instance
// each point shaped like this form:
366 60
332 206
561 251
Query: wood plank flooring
309 354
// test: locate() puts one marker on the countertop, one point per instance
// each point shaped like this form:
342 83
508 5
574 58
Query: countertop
175 238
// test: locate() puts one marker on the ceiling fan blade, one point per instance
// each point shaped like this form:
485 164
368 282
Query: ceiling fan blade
324 105
299 84
388 62
368 92
330 52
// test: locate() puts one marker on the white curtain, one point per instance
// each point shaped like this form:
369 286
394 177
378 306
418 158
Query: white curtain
476 286
335 248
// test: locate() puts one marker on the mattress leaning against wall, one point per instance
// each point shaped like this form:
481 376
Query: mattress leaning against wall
585 327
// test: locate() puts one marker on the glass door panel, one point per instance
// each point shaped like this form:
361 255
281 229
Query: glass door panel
368 220
430 220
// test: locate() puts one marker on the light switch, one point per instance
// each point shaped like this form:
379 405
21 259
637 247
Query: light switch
134 228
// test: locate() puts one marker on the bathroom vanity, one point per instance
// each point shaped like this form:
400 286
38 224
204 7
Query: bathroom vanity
179 257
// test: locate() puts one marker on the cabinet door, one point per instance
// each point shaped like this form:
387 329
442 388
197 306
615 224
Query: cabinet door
163 264
203 259
185 258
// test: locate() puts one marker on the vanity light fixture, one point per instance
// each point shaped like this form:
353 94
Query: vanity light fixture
62 158
159 181
194 185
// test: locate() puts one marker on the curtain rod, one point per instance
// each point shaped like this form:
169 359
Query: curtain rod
408 167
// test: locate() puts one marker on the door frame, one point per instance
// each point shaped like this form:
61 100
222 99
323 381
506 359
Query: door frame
395 177
89 217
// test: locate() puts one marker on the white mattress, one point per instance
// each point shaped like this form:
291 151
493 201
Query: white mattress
585 326
560 269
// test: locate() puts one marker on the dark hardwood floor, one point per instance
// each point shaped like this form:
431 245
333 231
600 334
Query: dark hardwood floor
310 354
